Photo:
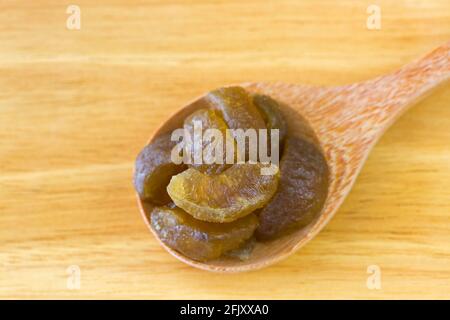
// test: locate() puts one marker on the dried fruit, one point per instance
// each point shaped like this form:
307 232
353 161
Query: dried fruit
208 119
154 169
200 240
302 190
239 112
213 209
270 111
228 196
237 108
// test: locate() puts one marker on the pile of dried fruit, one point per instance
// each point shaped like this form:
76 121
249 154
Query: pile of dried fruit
207 210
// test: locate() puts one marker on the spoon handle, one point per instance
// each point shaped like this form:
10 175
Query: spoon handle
399 90
359 113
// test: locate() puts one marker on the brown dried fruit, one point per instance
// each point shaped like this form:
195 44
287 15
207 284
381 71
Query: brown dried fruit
200 240
271 113
154 169
226 197
302 190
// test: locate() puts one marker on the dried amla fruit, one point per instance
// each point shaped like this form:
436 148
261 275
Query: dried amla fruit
302 191
226 197
237 108
271 113
154 169
200 240
240 114
210 151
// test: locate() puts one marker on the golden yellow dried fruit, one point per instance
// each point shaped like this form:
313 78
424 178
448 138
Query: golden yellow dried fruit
200 240
226 197
208 119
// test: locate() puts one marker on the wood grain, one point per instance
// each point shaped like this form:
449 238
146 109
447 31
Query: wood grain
76 106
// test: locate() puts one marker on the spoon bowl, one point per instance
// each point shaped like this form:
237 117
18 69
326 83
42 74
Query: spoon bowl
345 121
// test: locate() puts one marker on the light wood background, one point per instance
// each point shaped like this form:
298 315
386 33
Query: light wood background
77 106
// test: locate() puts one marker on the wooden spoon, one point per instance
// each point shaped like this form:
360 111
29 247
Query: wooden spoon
347 121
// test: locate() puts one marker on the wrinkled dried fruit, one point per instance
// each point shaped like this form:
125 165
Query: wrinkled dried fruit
209 119
154 169
228 196
270 111
302 190
213 209
200 240
237 108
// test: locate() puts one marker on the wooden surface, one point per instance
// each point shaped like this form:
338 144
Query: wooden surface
76 107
